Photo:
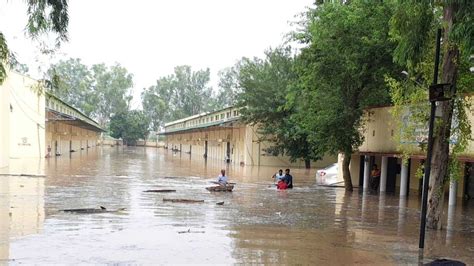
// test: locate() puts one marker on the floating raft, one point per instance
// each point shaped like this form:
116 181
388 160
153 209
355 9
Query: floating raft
92 210
183 200
160 190
220 188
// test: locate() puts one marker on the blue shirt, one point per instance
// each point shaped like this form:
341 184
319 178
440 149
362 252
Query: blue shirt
222 179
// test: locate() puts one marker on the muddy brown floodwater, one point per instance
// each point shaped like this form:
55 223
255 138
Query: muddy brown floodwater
256 224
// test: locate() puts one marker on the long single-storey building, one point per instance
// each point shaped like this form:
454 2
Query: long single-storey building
222 135
381 147
37 124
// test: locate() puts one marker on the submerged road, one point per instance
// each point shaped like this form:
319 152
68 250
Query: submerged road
256 223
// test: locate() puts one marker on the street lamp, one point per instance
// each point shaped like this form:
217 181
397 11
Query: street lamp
436 93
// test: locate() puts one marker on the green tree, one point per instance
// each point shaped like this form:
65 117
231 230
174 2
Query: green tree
112 87
228 87
411 27
72 82
266 84
43 16
154 107
181 94
130 126
341 72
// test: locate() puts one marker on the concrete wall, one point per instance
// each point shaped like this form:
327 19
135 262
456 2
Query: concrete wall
27 117
147 143
64 138
380 140
4 124
243 143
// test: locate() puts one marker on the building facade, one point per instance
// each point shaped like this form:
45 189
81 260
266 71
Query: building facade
222 135
403 177
35 124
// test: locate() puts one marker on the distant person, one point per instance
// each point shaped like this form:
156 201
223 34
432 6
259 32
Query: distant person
278 176
288 179
49 152
222 178
375 177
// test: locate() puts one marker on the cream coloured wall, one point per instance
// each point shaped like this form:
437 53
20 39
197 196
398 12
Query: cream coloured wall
4 125
245 147
62 137
27 118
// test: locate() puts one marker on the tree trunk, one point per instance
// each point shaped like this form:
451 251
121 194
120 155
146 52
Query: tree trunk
307 163
346 174
440 160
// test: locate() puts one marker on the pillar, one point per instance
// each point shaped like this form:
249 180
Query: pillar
453 191
366 172
383 174
404 180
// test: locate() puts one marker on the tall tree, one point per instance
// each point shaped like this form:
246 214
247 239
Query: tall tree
112 87
43 16
181 94
347 55
154 107
411 25
266 84
72 82
130 126
228 87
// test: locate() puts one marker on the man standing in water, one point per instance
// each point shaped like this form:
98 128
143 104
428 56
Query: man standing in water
222 178
278 176
288 179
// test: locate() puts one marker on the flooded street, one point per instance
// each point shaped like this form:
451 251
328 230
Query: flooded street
256 223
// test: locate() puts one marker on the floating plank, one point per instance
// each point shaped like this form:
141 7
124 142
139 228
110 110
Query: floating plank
189 231
160 190
227 188
92 210
184 200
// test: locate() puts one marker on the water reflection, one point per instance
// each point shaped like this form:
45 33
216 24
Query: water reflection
21 210
257 224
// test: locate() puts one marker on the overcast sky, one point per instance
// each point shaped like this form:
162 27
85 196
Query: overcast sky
151 37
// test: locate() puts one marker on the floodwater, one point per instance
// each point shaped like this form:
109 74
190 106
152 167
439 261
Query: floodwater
255 225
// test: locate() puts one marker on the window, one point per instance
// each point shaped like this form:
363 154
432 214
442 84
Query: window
222 116
228 115
235 113
217 117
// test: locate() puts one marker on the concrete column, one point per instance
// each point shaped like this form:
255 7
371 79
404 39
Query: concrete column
383 174
450 224
453 191
402 206
366 172
404 180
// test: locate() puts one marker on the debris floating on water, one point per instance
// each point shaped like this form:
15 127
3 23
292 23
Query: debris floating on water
189 231
102 209
220 203
160 190
184 200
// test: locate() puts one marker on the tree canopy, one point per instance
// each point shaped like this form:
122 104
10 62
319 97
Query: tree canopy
181 94
341 71
43 16
99 91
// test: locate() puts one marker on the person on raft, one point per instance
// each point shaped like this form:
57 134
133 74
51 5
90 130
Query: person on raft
222 178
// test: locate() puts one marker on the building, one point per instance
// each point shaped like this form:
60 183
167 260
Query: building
36 124
381 147
222 135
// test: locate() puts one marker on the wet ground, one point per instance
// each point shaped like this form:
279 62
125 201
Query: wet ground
256 223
